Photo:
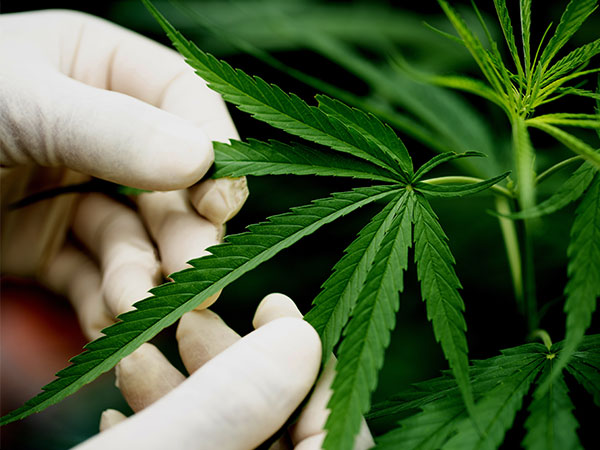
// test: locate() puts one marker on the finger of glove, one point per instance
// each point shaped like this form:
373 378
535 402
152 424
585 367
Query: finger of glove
221 199
363 440
72 274
116 237
202 335
308 432
75 60
146 375
275 306
312 419
109 418
235 401
52 120
179 232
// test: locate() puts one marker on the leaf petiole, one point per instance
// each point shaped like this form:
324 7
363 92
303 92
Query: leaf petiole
500 190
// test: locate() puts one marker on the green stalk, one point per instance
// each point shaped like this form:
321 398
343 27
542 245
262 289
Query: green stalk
531 312
556 167
513 252
524 160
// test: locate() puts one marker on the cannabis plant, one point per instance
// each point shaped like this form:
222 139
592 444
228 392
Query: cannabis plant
475 403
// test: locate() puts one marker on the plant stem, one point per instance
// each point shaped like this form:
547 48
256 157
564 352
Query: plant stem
556 167
513 252
531 312
469 180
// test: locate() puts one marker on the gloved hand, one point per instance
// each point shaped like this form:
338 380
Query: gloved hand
82 97
240 392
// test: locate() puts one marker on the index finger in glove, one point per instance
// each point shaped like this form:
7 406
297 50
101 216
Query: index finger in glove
73 60
235 401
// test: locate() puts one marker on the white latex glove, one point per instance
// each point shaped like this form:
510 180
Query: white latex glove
82 97
241 391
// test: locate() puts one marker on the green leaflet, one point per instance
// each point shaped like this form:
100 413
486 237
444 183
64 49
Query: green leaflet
276 158
507 30
573 60
268 103
442 408
570 191
583 288
525 16
333 305
585 366
579 92
471 85
462 190
439 289
551 424
572 19
230 260
496 412
371 127
368 332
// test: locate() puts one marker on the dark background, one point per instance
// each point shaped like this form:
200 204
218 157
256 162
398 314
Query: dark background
44 332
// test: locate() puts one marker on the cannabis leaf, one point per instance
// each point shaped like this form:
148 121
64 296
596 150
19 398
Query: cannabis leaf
239 254
499 386
268 103
368 333
332 307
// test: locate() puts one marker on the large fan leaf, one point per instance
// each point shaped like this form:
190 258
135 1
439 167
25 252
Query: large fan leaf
276 158
239 254
439 289
332 307
443 410
551 424
268 103
368 333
